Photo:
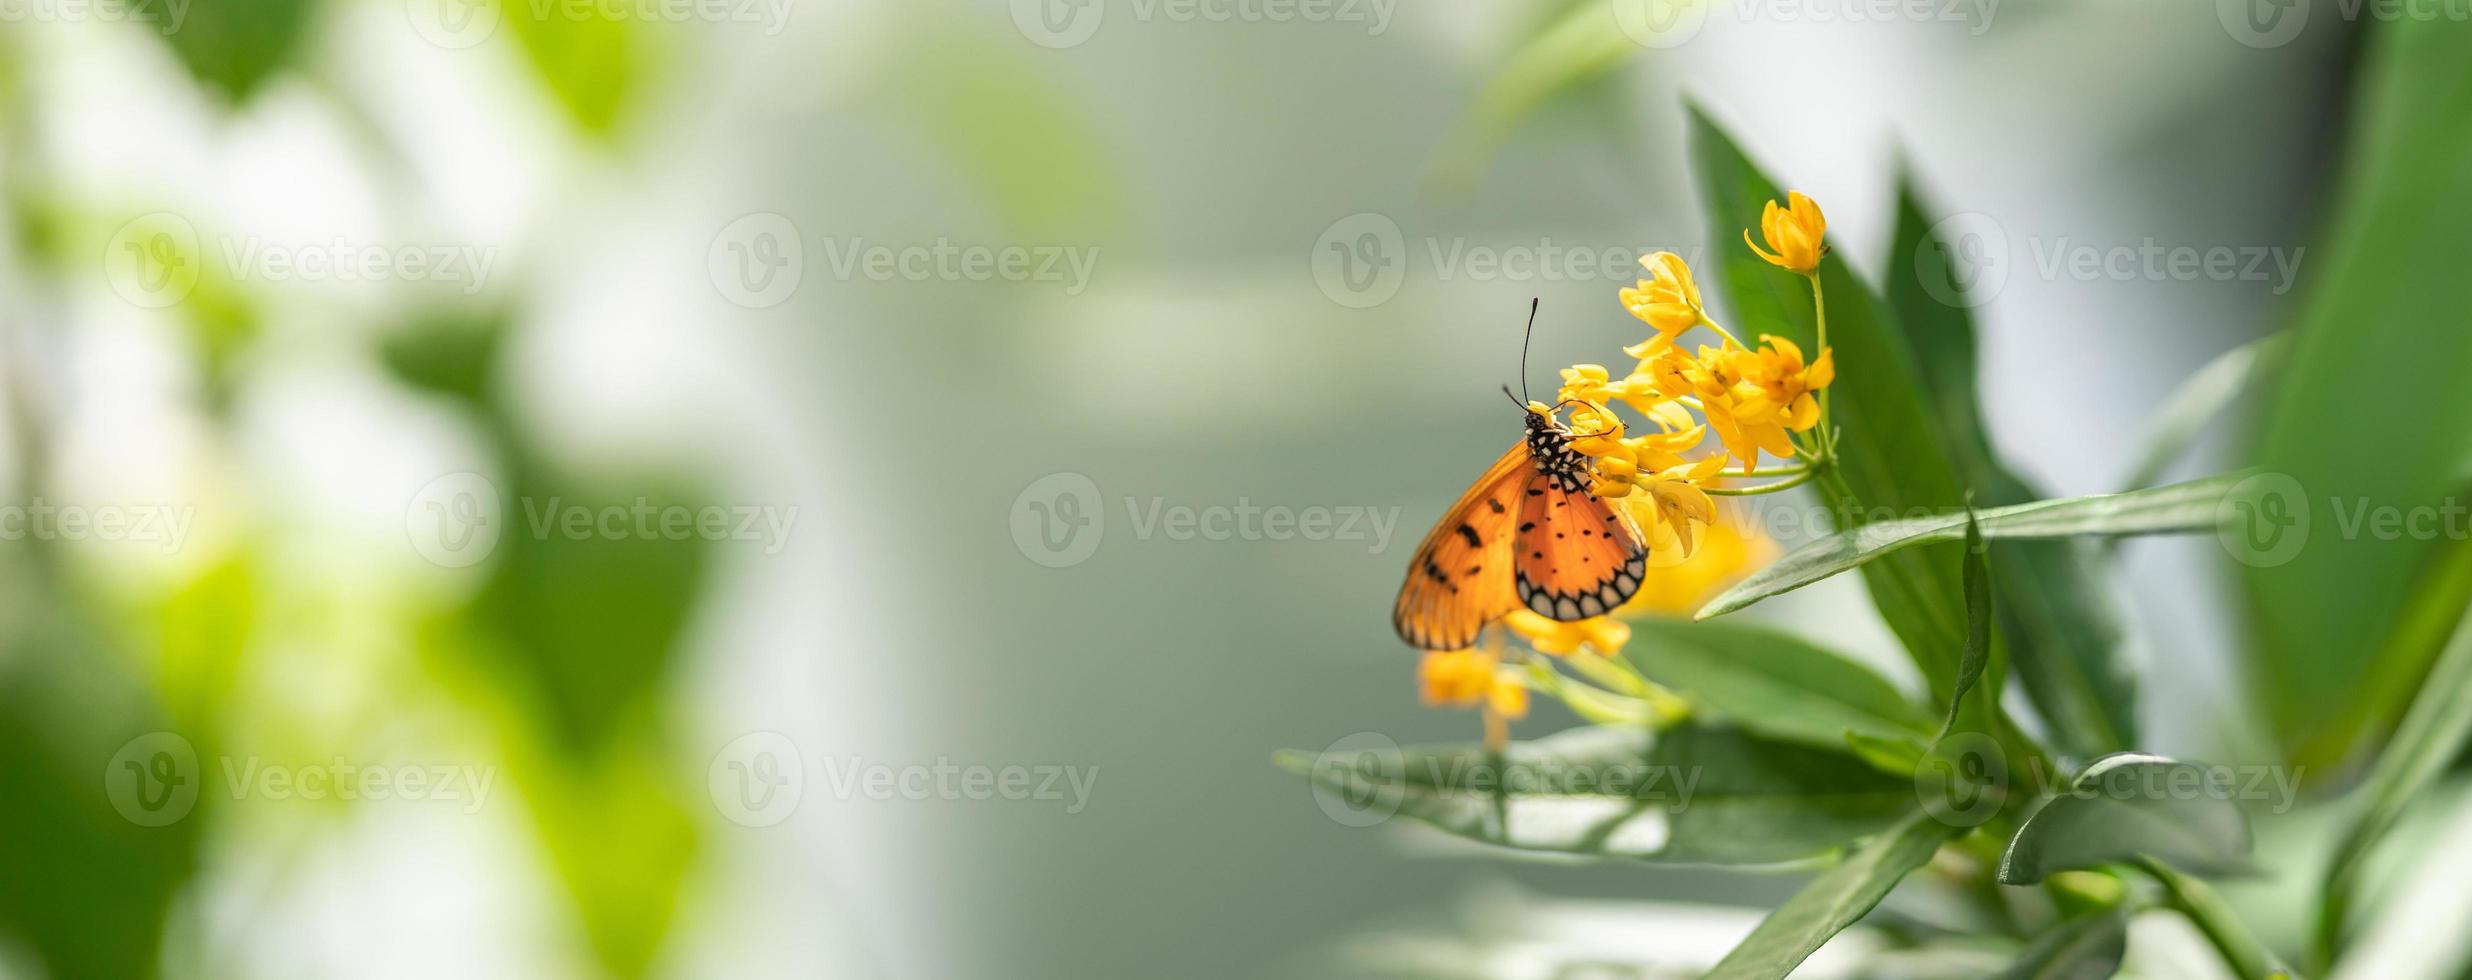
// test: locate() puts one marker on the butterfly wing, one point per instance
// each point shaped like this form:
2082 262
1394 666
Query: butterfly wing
1460 579
1577 555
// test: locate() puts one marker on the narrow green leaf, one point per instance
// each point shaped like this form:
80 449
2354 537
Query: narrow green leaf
2129 806
1978 638
1892 456
2434 732
2197 402
1895 756
2061 630
2372 412
1579 44
1585 791
2178 508
2088 947
1692 795
1756 801
1838 898
1773 684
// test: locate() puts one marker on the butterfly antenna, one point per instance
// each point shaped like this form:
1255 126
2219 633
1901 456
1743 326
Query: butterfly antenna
1523 350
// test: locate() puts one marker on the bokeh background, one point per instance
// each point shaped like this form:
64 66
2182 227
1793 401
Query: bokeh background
678 256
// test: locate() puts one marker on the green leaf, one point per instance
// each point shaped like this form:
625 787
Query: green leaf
1891 456
2060 629
1692 795
593 63
1757 801
2088 947
2129 806
2178 508
2196 403
1972 665
1838 898
2433 734
230 46
99 860
1581 43
1027 141
2372 410
1773 684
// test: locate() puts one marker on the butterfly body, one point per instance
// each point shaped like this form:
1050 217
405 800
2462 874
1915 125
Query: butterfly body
1529 535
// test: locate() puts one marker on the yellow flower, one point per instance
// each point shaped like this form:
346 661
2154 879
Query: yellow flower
1781 385
1464 678
1592 386
1797 234
1678 587
1604 635
1668 300
1716 378
1585 383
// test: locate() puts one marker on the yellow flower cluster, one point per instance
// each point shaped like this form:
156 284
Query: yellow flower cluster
1754 399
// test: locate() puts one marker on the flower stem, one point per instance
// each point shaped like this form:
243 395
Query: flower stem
1819 310
1592 703
1721 331
1798 479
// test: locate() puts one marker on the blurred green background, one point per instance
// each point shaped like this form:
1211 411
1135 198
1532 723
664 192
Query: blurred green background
940 302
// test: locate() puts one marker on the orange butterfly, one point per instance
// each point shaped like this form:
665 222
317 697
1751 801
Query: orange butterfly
1527 534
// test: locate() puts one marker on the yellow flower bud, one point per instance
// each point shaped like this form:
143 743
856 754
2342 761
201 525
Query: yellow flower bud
1797 234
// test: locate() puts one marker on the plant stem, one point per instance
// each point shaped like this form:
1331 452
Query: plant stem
1593 704
1721 331
1798 479
2205 910
1819 310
